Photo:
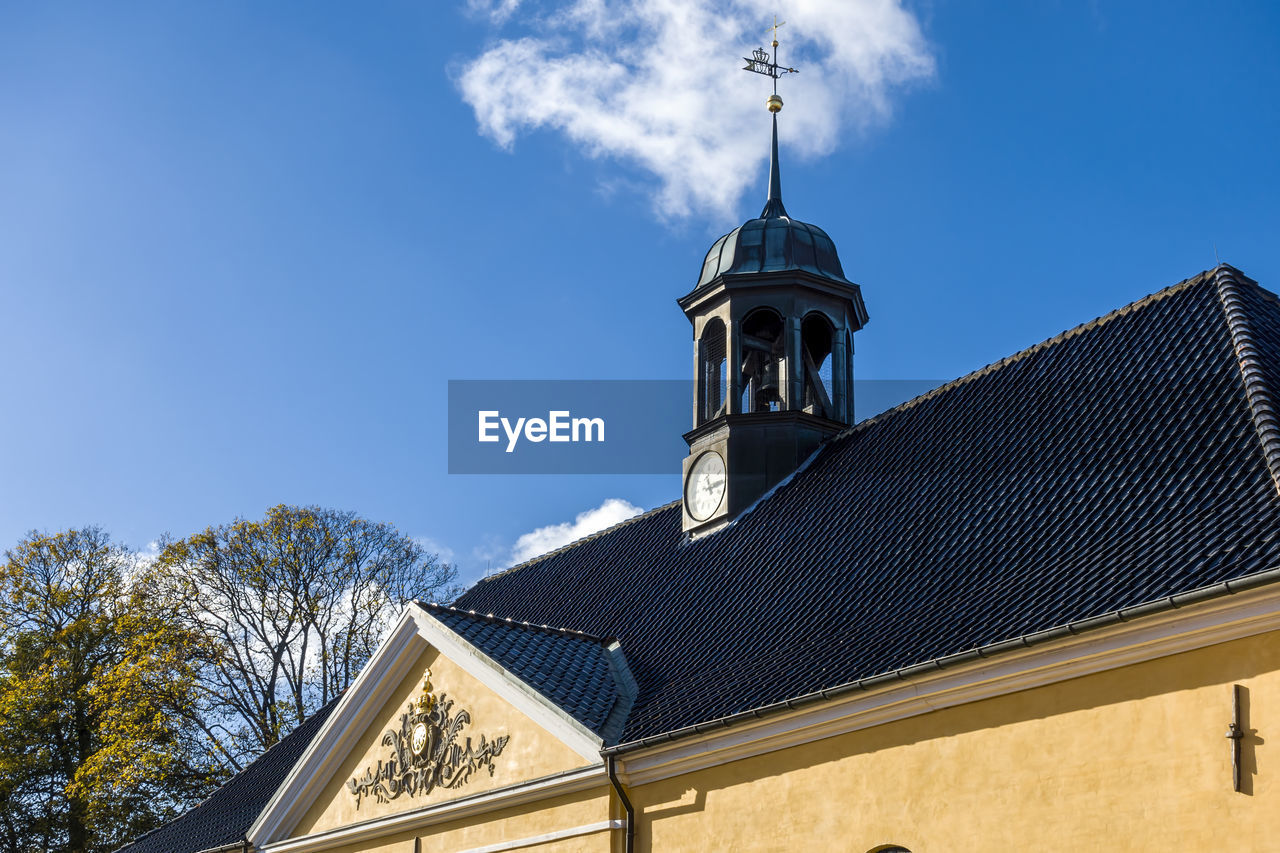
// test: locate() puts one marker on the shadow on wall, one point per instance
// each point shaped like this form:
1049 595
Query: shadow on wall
1249 742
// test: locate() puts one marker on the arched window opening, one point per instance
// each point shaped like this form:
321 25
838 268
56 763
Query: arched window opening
816 336
713 374
762 357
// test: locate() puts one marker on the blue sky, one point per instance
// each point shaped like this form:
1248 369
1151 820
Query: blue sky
244 247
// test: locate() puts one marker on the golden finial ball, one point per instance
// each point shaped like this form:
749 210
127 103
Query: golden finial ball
774 103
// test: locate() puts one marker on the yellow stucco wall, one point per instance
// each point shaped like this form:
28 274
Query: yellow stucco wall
524 822
1132 759
530 753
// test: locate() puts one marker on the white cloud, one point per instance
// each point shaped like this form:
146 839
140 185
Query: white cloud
431 546
495 10
659 83
553 536
142 560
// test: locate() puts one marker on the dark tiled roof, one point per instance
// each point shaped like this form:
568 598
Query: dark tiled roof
1119 463
1127 460
226 816
569 668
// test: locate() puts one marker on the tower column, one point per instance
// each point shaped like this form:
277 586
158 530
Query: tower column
699 379
840 376
733 364
848 362
795 365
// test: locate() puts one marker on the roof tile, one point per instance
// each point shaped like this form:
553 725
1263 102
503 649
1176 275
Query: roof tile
225 818
569 668
1117 463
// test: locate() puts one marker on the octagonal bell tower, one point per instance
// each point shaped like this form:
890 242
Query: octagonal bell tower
773 321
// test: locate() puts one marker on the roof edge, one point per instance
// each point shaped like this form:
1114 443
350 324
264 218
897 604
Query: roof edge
1069 629
575 543
512 623
1138 304
1257 388
326 708
509 686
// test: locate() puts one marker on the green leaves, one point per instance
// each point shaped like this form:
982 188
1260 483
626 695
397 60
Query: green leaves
94 684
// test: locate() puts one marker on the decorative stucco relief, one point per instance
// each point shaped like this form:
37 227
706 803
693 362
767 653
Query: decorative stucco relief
425 751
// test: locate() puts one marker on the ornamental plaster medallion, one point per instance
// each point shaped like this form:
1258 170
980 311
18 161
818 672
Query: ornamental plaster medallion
425 751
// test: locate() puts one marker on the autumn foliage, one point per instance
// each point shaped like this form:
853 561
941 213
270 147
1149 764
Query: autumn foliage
130 687
95 743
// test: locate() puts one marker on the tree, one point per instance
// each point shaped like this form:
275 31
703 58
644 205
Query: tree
290 608
95 734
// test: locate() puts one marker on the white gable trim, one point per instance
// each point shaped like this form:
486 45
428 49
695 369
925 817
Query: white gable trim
356 711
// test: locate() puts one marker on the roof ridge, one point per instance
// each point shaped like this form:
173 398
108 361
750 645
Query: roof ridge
1262 406
514 623
575 543
1136 305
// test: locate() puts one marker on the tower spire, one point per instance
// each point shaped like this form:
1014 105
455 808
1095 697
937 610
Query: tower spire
761 63
773 206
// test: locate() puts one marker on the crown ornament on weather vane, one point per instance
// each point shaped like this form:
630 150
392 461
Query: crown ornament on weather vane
761 63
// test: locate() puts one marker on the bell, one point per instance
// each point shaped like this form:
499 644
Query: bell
769 381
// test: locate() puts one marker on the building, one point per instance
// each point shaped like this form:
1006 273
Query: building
1037 608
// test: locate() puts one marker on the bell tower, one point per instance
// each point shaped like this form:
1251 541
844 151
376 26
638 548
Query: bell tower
773 321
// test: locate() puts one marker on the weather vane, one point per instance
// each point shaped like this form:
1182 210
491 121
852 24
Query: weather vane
761 63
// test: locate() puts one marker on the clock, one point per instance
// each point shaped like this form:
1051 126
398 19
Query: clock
704 490
419 739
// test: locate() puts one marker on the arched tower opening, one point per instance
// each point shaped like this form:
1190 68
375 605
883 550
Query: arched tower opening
817 345
763 359
713 373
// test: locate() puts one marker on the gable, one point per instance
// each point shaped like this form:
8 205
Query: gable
480 730
506 747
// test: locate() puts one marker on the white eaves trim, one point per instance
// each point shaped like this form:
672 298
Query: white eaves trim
572 782
1192 627
355 713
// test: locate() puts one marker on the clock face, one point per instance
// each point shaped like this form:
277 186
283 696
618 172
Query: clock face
419 741
705 487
